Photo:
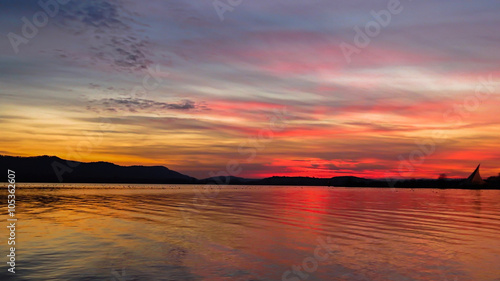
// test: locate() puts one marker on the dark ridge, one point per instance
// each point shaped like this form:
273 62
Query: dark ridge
54 169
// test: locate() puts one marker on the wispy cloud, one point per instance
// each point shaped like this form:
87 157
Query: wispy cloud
226 78
112 31
136 105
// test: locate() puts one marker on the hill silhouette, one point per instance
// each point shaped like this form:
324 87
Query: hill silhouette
54 169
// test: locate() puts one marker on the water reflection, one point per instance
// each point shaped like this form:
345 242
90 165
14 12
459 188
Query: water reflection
255 233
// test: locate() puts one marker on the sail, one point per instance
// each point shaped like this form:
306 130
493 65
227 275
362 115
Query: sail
475 177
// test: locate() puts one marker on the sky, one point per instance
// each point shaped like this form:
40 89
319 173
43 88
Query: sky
255 88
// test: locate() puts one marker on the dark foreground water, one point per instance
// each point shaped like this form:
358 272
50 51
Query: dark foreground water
122 232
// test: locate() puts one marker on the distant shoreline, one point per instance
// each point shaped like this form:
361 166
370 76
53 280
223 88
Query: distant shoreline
163 186
51 169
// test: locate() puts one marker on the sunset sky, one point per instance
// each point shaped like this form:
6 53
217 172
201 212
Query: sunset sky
184 85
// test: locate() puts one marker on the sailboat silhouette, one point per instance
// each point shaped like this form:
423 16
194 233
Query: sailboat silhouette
475 177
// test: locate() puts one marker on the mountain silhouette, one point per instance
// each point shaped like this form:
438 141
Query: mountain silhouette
55 169
52 169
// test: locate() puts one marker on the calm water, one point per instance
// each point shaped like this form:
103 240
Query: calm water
253 233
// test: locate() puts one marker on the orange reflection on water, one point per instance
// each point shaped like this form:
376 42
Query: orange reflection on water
259 233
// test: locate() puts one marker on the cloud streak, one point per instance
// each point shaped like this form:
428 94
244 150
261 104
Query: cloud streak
226 78
137 105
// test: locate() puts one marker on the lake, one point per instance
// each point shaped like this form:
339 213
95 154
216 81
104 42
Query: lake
196 232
